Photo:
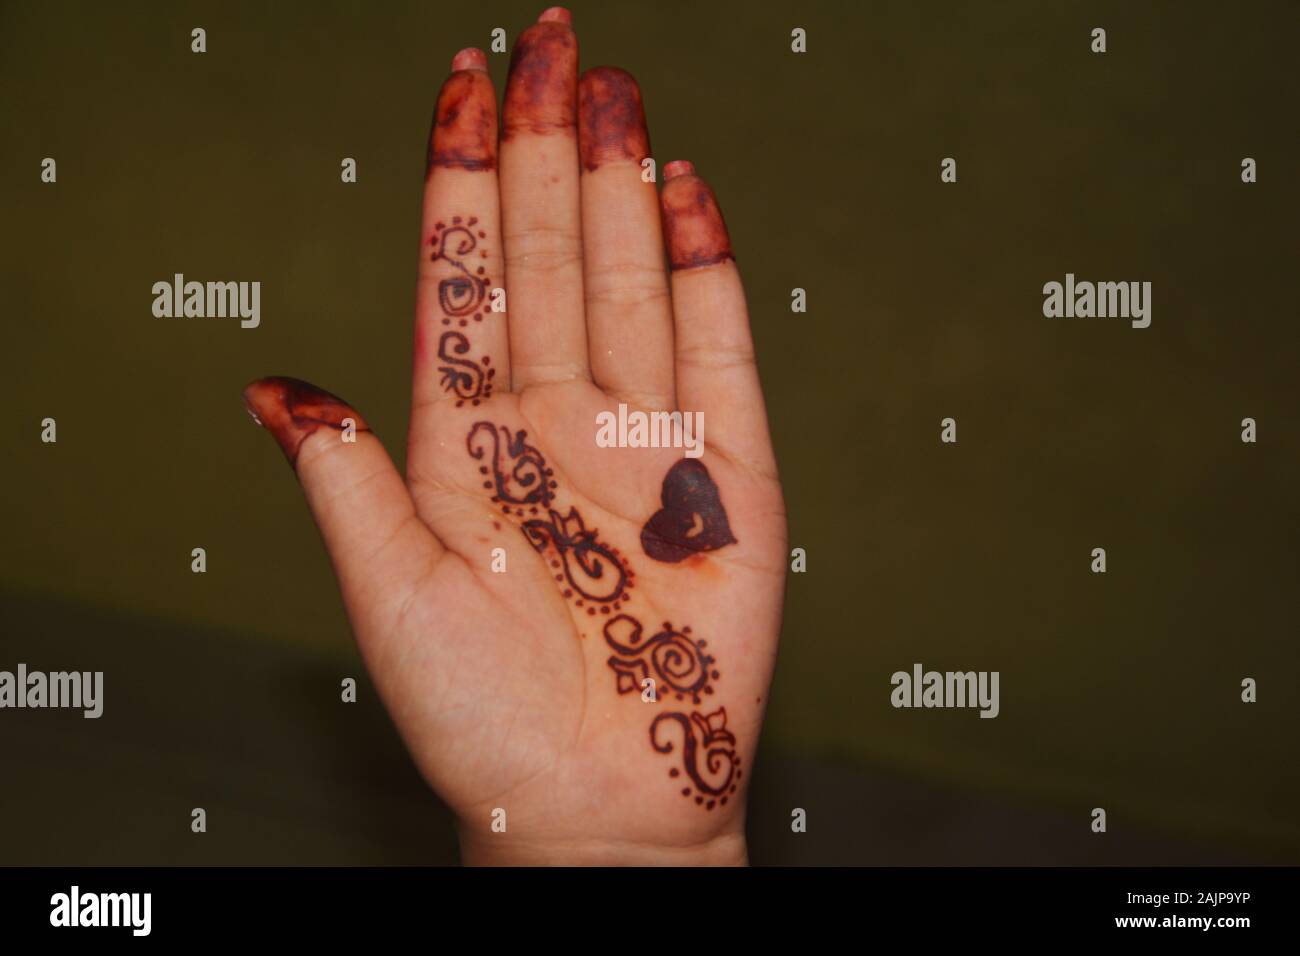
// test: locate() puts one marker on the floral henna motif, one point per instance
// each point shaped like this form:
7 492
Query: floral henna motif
584 560
594 575
461 298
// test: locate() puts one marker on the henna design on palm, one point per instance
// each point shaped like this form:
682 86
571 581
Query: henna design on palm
677 660
583 558
594 576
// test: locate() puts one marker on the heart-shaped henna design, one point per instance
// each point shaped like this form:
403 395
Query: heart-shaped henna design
673 662
692 519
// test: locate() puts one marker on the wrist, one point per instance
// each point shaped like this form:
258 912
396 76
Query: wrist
502 849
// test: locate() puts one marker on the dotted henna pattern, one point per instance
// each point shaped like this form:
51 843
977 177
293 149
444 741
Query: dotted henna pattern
595 577
461 297
593 570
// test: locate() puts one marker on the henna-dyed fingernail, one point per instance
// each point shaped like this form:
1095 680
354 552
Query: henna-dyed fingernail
611 120
678 167
464 133
556 15
693 228
470 58
292 409
542 89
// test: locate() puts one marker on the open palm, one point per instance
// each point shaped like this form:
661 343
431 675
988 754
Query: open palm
575 640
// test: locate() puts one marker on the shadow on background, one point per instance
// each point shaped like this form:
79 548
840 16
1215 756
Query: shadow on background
255 733
1119 690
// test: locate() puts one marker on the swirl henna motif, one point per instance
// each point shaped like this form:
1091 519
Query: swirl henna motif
465 377
463 293
717 777
460 296
677 661
583 557
527 481
594 575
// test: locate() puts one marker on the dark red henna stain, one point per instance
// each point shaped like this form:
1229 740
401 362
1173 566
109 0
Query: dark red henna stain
519 473
542 89
461 295
693 228
521 483
673 658
583 557
464 132
519 477
705 734
292 409
692 519
611 119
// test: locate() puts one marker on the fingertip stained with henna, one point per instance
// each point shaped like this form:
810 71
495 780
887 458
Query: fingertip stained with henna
464 129
542 89
694 231
292 410
611 118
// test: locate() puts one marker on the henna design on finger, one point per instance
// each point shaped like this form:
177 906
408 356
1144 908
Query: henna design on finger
692 519
463 134
292 410
611 119
465 377
693 228
462 293
541 91
594 576
461 297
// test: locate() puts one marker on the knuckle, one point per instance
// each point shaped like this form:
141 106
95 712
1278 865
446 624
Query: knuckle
715 356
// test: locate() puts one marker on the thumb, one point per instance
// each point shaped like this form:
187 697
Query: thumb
379 547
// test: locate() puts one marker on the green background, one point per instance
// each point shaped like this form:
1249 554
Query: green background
924 301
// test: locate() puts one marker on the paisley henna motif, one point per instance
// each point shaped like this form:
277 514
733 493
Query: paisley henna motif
519 473
585 559
594 575
702 735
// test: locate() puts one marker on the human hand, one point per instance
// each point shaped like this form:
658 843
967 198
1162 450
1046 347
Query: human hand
527 690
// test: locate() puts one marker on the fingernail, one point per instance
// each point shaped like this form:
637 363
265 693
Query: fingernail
611 120
693 228
291 410
556 15
470 58
678 167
